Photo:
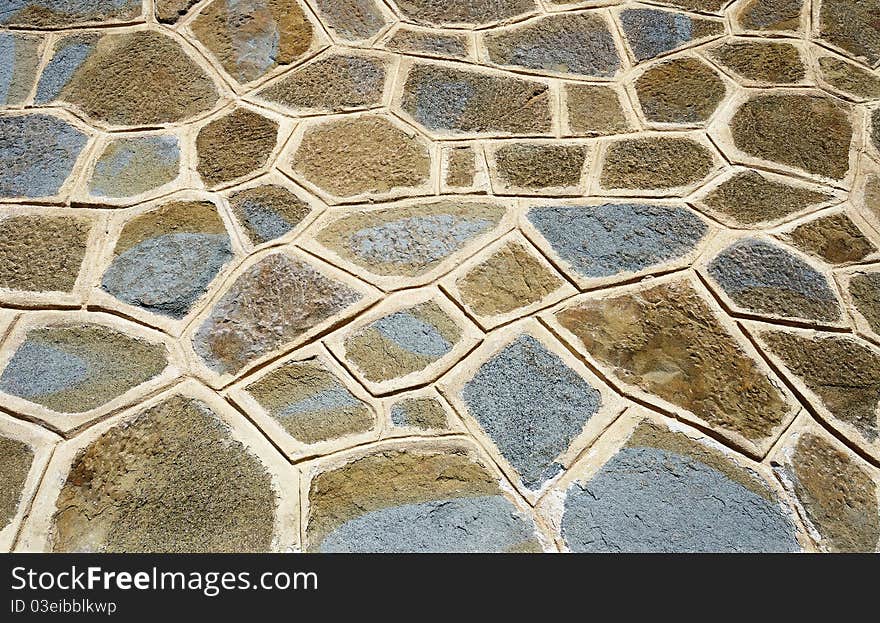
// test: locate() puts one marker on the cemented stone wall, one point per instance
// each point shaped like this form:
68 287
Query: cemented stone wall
412 275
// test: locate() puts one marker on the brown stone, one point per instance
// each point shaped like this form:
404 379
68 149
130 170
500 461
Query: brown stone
253 137
771 15
850 78
835 239
42 253
684 90
864 288
535 166
761 61
461 167
852 25
14 468
655 163
169 11
595 110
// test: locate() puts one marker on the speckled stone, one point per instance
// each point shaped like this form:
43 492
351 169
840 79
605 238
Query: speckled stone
850 78
62 13
268 212
536 166
595 110
14 469
463 12
461 167
131 166
408 40
72 368
19 60
852 25
37 154
768 62
864 289
421 413
352 20
834 239
652 32
655 163
771 15
532 405
254 137
684 90
42 253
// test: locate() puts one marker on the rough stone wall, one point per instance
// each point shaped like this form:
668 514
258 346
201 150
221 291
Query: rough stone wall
407 275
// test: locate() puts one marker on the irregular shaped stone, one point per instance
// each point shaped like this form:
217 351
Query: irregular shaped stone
76 367
169 11
462 101
14 469
37 154
310 403
849 78
352 20
271 304
864 290
840 370
413 501
837 494
42 253
751 198
131 166
697 499
569 43
595 110
805 131
461 167
612 239
363 155
655 163
421 413
331 84
852 26
252 37
408 40
62 13
683 90
19 61
652 32
771 15
835 239
463 12
766 279
113 79
253 137
667 341
165 260
170 480
532 406
268 212
409 240
540 166
769 62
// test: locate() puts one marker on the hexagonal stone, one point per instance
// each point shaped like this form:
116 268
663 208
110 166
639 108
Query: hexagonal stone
698 498
595 110
770 14
181 483
37 154
835 490
252 37
459 101
850 78
765 62
833 238
268 211
617 239
864 290
42 253
169 11
332 83
667 341
352 20
132 166
568 43
652 32
415 500
425 42
112 79
765 278
852 26
655 163
60 13
165 260
423 414
19 61
365 155
253 137
75 367
539 168
809 132
463 12
684 90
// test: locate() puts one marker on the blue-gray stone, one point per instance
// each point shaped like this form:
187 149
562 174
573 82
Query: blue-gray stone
440 104
265 222
650 500
413 334
651 32
40 370
65 61
531 405
7 64
330 399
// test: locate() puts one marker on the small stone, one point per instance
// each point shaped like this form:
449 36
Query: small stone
835 239
132 166
310 403
463 12
422 413
169 11
864 289
852 25
14 469
64 13
655 163
850 78
461 167
42 253
37 154
19 61
409 40
268 212
253 137
533 167
767 62
684 90
772 15
352 20
652 32
595 110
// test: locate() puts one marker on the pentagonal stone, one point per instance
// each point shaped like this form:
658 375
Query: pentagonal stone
271 304
362 155
766 279
808 132
666 340
181 483
76 367
852 26
113 79
595 110
252 37
268 212
864 290
14 469
59 13
169 11
42 253
463 12
571 43
426 414
533 167
352 20
37 154
835 239
651 32
462 101
19 61
697 499
655 163
414 501
850 78
423 42
770 14
770 62
234 145
310 403
684 90
131 166
331 84
618 238
165 260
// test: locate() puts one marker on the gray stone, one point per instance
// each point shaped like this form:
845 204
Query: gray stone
651 32
19 61
413 334
132 166
353 20
69 54
42 369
